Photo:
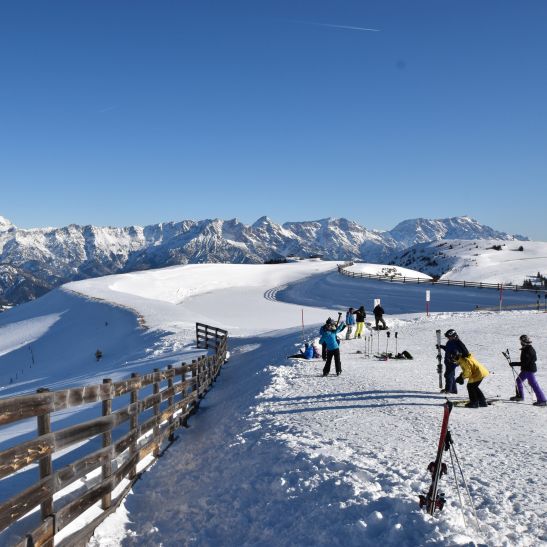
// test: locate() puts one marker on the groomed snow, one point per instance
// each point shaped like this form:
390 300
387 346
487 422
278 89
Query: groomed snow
279 455
380 269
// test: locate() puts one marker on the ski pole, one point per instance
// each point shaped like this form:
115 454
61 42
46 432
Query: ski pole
457 484
507 355
479 530
387 341
378 336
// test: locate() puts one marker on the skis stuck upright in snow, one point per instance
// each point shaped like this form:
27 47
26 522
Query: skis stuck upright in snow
439 359
433 500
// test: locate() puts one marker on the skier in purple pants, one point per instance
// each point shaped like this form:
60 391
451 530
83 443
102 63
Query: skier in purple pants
528 369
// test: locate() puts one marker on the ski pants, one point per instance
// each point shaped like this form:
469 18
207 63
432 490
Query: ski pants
338 365
450 385
359 330
324 351
349 331
531 377
379 319
476 396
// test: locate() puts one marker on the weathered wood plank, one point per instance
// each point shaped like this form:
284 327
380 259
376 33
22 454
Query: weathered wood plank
40 536
17 506
24 454
22 407
83 535
65 515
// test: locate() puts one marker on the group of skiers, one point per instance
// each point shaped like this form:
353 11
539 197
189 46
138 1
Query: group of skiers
456 354
330 341
356 317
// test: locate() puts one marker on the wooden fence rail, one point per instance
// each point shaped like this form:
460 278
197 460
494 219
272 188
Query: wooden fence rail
342 269
169 397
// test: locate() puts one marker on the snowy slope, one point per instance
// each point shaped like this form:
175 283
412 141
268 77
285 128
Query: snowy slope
277 454
489 261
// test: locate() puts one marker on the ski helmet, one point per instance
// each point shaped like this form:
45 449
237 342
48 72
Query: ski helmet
329 321
525 340
450 333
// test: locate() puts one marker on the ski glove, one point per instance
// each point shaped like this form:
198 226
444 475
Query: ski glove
459 379
515 364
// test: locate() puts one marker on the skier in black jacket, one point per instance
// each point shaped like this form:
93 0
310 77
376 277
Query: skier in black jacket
453 347
528 368
360 315
378 316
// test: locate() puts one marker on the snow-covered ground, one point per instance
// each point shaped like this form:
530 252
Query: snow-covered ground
277 454
486 260
381 269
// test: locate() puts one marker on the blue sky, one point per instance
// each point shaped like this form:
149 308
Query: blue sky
133 112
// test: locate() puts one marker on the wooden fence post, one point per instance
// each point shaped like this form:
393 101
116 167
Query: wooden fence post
171 402
184 394
133 425
107 441
44 427
156 414
195 377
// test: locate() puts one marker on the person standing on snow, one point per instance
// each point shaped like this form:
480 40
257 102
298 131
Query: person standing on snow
475 374
360 316
528 368
333 349
453 346
350 321
379 316
322 330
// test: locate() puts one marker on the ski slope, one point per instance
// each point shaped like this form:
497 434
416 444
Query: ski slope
277 454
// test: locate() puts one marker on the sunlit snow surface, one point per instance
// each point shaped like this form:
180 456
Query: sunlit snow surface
279 455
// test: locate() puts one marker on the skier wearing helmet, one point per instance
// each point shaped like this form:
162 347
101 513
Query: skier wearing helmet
528 368
453 346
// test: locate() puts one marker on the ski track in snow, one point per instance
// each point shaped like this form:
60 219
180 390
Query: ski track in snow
271 294
279 455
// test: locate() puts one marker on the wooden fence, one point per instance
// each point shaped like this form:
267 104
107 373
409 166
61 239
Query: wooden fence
168 396
342 268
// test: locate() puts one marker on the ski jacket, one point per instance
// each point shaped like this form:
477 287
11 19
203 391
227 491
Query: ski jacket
308 352
350 319
451 348
378 311
329 337
472 369
360 315
528 359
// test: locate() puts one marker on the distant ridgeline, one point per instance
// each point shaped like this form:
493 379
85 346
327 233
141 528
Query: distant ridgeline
34 261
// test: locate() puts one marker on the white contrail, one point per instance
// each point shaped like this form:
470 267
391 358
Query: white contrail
344 27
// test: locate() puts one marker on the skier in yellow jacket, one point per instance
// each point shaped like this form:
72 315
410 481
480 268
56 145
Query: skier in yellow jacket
475 374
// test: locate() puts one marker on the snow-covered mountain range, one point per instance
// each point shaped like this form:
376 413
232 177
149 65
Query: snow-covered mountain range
34 260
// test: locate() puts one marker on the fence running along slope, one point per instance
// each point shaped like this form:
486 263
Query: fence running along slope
149 407
342 268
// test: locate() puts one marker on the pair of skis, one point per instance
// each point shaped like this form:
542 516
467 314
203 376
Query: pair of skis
433 500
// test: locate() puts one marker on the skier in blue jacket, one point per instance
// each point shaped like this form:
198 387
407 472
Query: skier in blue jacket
350 322
333 349
307 353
